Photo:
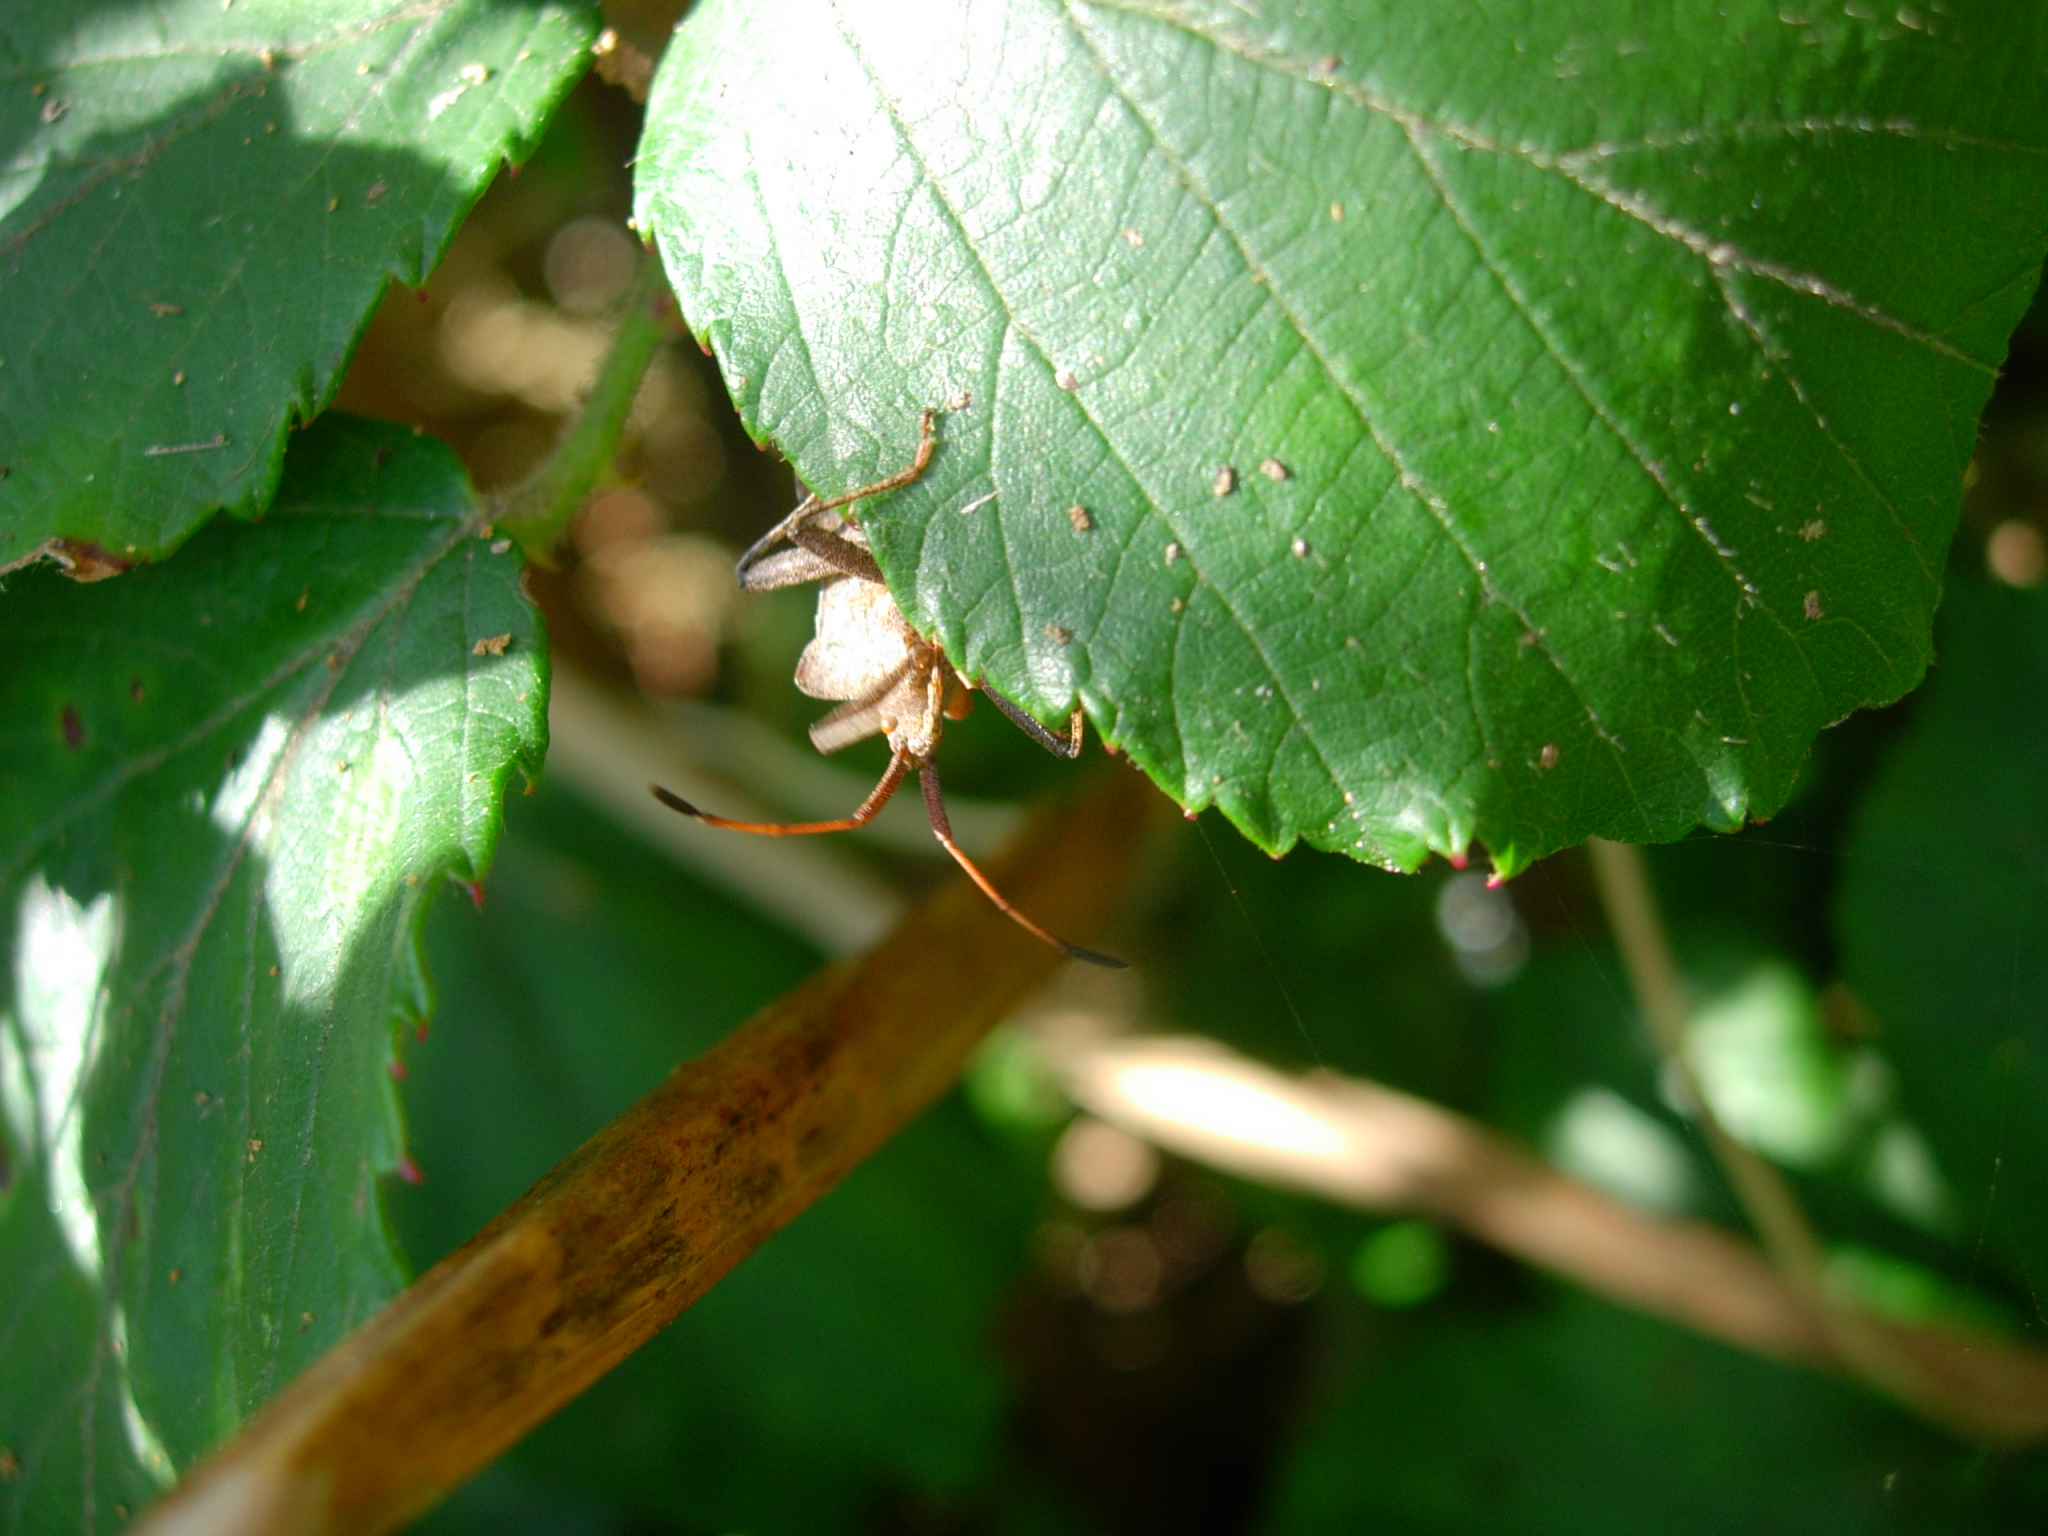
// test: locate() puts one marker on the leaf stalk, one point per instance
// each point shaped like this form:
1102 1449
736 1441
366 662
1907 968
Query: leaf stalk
537 509
1860 1346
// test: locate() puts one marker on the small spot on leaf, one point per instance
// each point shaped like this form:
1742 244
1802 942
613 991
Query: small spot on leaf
493 645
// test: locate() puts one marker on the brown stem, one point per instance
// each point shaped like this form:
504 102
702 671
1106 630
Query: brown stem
1382 1150
1868 1350
649 1213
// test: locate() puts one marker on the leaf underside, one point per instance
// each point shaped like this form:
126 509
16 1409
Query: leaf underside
1486 426
199 208
239 775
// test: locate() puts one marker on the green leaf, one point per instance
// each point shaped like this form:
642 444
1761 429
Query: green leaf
235 779
1943 920
201 205
848 1359
1621 366
1579 1419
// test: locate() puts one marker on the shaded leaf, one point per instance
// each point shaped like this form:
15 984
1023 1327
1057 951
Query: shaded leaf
844 1362
1943 919
201 204
1490 426
1581 1418
237 777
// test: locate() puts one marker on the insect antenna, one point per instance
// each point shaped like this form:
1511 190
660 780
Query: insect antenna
869 808
935 807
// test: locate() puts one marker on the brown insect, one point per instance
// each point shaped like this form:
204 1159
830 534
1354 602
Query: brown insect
889 680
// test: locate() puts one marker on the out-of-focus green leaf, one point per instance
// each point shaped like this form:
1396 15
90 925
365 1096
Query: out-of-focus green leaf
1579 1419
843 1363
200 204
231 781
1943 917
1402 426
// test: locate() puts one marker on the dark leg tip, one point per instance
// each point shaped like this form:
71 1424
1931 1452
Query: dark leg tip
674 801
1093 957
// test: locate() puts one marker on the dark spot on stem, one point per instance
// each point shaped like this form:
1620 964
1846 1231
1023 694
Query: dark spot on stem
74 729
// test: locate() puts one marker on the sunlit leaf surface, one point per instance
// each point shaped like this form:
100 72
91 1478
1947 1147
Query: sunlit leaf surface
200 204
1403 426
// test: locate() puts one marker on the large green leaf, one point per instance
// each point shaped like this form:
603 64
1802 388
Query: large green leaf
232 780
845 1362
1617 368
1943 918
200 204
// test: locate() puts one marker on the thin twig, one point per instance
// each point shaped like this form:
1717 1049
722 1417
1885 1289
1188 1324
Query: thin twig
652 1211
537 509
1863 1347
1362 1144
609 747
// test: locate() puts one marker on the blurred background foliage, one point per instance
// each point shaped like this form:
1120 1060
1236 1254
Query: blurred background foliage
1014 1320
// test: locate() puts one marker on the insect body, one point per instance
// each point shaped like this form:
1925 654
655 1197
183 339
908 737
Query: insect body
887 679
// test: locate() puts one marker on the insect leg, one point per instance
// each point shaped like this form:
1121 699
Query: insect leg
1059 746
935 807
774 536
927 440
844 556
869 808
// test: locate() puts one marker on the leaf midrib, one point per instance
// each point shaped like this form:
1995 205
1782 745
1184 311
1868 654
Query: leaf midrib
1411 482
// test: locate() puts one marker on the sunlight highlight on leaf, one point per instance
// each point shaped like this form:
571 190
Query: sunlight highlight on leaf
59 1003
